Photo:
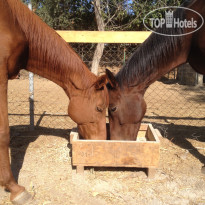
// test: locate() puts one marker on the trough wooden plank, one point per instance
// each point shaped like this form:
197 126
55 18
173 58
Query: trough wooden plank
143 127
105 153
115 154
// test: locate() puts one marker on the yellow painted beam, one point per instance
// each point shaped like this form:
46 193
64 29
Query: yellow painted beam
104 36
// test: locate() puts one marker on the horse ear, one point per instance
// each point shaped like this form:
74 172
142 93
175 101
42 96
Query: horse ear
101 81
111 79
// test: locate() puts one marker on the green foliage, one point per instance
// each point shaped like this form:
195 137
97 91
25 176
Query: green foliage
141 8
79 14
65 14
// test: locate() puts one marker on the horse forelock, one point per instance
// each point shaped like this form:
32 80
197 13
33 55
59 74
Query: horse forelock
47 46
106 96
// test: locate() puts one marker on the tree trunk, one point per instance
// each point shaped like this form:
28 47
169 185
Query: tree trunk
100 46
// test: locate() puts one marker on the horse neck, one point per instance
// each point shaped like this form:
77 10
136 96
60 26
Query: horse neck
155 74
62 76
62 66
49 55
142 86
153 60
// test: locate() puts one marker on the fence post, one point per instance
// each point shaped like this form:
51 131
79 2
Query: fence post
124 55
199 79
31 91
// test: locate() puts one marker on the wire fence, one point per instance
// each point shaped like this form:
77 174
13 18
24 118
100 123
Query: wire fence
168 102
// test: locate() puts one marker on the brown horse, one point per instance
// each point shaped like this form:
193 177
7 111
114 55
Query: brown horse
155 57
28 43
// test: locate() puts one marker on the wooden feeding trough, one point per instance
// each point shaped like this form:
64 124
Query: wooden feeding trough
142 153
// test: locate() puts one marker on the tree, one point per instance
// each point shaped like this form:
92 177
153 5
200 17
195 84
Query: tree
65 14
108 13
141 8
100 46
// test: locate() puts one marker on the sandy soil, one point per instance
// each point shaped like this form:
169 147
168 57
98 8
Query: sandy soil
41 158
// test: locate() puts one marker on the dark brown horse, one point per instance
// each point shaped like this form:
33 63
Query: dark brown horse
28 43
155 57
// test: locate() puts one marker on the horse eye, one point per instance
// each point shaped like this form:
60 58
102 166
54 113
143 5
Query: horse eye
113 109
99 109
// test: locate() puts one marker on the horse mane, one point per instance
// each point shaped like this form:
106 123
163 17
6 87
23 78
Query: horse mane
48 47
156 52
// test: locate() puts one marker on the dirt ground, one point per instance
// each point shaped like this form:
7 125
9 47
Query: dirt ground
41 158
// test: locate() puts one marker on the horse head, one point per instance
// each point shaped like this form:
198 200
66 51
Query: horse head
126 109
88 109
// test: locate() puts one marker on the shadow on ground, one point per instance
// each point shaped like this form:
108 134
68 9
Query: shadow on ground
179 135
21 137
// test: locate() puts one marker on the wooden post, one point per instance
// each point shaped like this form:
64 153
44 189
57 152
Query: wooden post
31 92
79 169
151 172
